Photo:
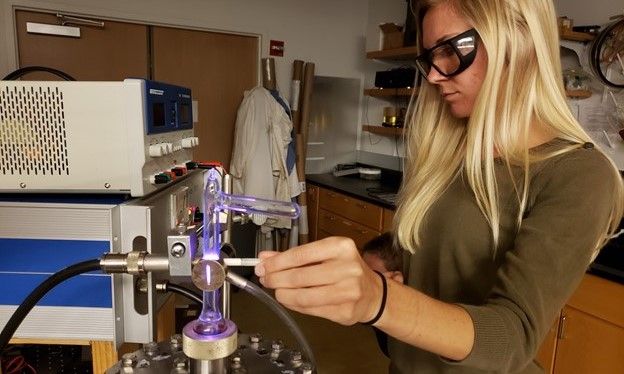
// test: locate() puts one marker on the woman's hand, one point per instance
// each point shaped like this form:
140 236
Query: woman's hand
327 278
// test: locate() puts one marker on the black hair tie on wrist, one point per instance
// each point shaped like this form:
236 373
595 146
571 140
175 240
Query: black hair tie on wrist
384 295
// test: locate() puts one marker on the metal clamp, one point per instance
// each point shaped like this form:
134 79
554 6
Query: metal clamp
135 263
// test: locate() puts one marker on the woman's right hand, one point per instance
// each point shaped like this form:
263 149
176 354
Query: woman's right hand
326 278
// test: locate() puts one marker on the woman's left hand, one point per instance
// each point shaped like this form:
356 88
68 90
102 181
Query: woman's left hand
326 278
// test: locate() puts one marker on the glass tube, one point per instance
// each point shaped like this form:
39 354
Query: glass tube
216 201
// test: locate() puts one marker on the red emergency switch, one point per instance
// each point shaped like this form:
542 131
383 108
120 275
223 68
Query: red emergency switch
276 48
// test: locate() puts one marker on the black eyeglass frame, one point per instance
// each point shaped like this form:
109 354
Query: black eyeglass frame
464 60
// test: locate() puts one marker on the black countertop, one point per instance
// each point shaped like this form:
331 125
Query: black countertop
610 262
372 191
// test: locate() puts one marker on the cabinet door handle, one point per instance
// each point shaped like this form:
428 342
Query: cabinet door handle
362 232
346 223
331 218
562 325
331 194
361 205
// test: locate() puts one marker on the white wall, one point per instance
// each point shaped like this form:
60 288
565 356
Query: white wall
329 33
595 12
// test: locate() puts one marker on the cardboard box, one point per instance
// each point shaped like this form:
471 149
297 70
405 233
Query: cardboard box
391 36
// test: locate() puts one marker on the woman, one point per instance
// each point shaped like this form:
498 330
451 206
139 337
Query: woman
504 202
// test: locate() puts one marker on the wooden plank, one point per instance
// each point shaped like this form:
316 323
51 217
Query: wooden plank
577 36
578 94
381 130
49 341
388 92
104 356
405 53
165 320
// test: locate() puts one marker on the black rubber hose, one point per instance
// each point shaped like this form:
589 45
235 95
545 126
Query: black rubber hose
31 69
278 309
176 288
38 293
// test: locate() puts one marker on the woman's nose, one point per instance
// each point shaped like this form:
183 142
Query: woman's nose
434 76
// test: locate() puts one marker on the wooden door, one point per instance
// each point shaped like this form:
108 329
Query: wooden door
117 51
218 68
588 344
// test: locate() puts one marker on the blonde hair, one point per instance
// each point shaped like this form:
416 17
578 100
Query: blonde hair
523 84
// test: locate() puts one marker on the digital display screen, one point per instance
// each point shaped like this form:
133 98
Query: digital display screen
185 114
158 114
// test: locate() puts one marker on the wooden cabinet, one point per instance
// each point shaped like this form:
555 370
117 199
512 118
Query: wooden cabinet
332 224
331 213
388 216
546 353
589 335
356 210
591 329
588 344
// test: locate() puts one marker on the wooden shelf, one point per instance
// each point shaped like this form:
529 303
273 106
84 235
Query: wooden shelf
578 94
577 36
380 130
405 53
388 92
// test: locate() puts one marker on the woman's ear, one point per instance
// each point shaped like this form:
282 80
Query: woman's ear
397 276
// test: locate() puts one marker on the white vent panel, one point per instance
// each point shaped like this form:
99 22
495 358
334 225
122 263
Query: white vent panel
33 136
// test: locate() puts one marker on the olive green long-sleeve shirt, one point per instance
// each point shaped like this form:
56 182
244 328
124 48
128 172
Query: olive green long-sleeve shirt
513 297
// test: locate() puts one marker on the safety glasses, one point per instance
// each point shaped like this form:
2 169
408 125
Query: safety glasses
451 56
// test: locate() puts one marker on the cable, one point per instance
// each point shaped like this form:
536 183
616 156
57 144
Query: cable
180 290
277 308
16 365
30 69
370 139
38 293
264 297
228 250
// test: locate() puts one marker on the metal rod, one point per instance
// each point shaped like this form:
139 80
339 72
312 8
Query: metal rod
241 261
78 21
227 188
227 238
208 367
